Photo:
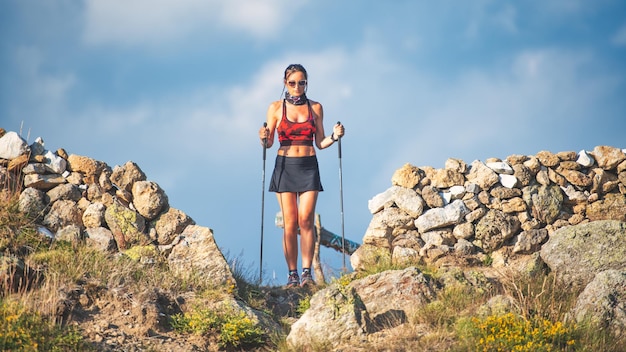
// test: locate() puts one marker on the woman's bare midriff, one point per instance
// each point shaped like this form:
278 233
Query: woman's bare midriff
296 150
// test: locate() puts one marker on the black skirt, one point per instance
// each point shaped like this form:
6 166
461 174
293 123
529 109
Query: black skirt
296 174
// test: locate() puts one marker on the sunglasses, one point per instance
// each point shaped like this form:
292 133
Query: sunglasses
292 84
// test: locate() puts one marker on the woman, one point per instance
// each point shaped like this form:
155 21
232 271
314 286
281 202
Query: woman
296 178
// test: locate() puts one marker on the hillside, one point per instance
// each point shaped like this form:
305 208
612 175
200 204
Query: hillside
535 243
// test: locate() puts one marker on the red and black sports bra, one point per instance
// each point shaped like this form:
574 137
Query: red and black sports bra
296 133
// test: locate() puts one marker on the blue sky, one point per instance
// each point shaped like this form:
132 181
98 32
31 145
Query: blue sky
182 87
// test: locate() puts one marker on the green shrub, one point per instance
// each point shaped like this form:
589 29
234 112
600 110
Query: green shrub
21 330
233 329
511 332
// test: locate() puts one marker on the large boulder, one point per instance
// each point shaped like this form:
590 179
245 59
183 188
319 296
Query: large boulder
603 302
197 253
578 253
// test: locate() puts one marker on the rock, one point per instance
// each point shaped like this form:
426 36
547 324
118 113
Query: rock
390 297
93 216
500 167
63 213
403 256
505 193
464 247
482 175
64 192
336 316
508 181
125 176
12 146
170 224
148 198
577 253
547 159
530 241
432 197
612 207
544 202
100 238
494 229
451 214
198 254
16 164
446 178
37 148
438 237
522 174
43 182
408 176
516 159
457 192
409 201
55 163
603 181
89 167
126 225
533 165
576 178
71 234
514 205
463 230
585 159
382 200
603 302
457 165
608 157
33 202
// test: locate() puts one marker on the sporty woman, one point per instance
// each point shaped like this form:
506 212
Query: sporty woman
298 121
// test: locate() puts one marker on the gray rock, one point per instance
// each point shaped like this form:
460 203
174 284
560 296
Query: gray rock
197 253
451 214
603 302
578 252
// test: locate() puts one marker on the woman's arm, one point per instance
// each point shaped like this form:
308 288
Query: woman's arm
321 140
271 120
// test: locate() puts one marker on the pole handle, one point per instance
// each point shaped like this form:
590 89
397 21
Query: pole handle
264 143
339 142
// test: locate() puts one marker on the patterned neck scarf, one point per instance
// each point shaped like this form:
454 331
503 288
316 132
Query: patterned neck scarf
296 100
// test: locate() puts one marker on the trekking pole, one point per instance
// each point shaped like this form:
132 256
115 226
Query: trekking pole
262 207
343 237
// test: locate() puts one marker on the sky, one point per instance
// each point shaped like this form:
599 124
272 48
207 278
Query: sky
182 87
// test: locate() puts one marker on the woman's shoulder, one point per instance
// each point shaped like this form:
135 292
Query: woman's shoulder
275 106
314 102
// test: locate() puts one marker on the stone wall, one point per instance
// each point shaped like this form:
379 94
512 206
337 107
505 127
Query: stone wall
496 208
79 199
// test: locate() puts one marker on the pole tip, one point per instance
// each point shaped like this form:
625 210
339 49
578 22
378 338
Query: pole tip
339 122
264 124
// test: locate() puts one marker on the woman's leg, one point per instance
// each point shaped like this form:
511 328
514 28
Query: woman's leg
306 220
289 207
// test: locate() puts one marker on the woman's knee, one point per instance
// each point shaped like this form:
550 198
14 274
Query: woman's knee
306 222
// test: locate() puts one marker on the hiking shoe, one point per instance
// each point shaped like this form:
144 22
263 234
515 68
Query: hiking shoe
293 280
307 279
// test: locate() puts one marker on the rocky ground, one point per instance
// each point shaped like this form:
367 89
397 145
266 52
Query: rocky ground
115 320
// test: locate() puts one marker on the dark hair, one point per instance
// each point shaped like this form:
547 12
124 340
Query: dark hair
295 68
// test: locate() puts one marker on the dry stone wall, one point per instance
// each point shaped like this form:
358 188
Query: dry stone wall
77 198
509 206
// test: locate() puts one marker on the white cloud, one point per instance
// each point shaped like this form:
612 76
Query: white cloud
158 22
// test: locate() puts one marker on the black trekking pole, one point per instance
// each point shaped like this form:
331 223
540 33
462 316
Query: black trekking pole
343 237
262 207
